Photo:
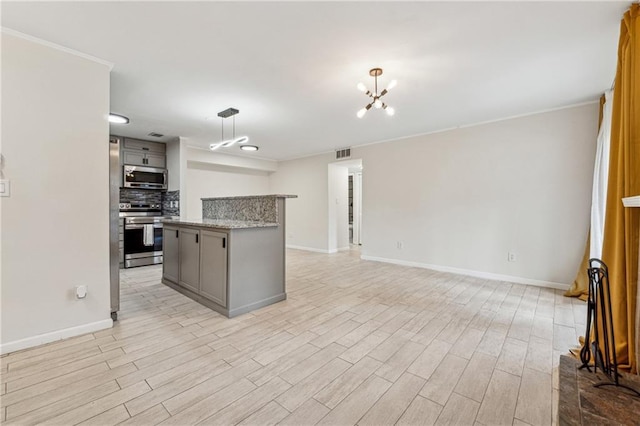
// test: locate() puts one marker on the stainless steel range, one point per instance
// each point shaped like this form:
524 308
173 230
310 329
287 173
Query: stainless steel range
142 234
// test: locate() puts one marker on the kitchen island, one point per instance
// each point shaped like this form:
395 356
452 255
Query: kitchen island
232 260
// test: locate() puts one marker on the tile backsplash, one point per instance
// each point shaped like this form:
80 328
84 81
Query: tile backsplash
140 196
170 200
171 203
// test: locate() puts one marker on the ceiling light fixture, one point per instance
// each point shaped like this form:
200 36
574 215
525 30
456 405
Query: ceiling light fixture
376 102
118 119
229 112
249 147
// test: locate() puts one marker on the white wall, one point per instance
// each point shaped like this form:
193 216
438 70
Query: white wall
462 199
307 215
55 225
204 173
338 218
209 180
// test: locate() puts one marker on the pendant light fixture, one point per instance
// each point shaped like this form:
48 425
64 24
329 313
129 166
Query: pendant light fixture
229 112
375 96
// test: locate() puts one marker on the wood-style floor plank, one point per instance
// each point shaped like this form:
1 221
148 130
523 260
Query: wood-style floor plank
388 409
355 342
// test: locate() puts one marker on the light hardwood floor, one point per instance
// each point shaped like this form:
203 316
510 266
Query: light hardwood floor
356 342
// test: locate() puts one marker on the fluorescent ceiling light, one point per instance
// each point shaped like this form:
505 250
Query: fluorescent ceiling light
118 119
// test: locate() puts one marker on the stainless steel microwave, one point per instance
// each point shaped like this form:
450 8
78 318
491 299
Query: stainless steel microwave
144 177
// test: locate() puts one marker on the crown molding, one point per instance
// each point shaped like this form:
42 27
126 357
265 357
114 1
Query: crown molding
9 31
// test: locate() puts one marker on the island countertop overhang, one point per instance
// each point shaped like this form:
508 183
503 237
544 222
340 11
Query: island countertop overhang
239 197
218 223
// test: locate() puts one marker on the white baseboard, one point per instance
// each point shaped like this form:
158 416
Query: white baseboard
315 250
477 274
53 336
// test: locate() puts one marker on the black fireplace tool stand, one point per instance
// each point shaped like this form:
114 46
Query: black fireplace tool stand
599 317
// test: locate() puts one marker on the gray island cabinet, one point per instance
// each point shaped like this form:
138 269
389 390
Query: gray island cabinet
232 260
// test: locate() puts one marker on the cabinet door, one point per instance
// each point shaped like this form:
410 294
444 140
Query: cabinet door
134 158
213 266
155 160
145 145
170 253
189 242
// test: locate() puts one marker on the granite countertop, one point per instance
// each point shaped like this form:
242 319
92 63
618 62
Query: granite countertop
239 197
219 223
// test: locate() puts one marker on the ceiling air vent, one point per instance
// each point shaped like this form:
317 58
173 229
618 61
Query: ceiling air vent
343 153
156 135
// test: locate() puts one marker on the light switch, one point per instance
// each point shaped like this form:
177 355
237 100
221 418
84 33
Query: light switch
5 188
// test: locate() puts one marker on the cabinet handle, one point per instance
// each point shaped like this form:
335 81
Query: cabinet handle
196 238
145 149
224 243
176 233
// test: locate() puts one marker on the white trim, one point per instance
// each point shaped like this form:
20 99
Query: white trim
631 201
37 40
53 336
315 250
448 129
477 274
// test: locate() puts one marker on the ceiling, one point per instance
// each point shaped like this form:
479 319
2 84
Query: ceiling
291 68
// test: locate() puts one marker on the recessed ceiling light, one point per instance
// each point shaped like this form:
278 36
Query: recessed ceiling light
118 119
249 147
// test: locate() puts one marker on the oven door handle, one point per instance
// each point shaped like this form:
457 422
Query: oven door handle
133 226
156 225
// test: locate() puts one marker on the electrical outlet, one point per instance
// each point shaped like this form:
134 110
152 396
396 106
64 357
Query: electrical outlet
511 257
399 245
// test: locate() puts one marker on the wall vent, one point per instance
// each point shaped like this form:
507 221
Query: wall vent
343 153
156 135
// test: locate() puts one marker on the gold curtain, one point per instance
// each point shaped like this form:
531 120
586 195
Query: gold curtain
580 286
620 248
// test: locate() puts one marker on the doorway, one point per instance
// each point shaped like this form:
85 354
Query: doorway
355 206
345 205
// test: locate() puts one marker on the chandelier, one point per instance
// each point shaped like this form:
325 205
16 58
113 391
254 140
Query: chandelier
375 96
229 112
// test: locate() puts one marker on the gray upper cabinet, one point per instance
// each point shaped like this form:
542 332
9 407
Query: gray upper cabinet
189 258
171 247
213 266
148 146
154 160
135 158
137 152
